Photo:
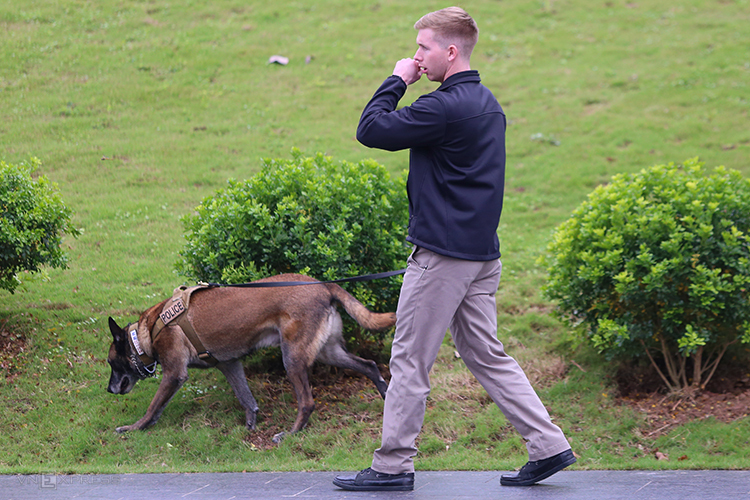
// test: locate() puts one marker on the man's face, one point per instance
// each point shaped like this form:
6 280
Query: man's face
431 56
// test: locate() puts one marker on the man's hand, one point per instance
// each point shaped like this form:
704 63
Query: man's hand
408 70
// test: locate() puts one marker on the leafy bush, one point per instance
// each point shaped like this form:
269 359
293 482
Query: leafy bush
657 265
305 215
33 220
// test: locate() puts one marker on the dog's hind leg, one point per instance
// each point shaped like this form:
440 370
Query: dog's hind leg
305 403
334 353
297 368
235 374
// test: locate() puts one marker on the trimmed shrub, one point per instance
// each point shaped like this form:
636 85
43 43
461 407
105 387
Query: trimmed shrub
657 265
33 221
306 215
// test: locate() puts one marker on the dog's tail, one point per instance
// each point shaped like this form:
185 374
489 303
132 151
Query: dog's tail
366 318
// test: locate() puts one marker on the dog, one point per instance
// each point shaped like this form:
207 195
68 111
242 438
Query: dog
231 322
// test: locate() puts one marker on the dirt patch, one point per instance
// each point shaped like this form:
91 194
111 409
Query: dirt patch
12 347
726 398
540 309
663 412
333 391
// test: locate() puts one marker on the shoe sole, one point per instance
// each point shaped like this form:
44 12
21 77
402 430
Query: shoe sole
544 476
368 487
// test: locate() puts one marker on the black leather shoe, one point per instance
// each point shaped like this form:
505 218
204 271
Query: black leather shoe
370 480
533 472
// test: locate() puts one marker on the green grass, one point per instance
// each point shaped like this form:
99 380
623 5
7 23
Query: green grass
138 109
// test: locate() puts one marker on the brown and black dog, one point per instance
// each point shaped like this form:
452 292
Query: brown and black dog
232 322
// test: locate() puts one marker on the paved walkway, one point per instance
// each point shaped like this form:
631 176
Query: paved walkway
565 485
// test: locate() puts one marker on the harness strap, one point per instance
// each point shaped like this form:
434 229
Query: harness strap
203 353
174 312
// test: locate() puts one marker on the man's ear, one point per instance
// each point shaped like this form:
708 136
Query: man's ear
452 53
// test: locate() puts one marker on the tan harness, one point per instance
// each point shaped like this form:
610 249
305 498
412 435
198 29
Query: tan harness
174 312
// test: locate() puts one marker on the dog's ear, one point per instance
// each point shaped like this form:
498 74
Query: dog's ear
117 333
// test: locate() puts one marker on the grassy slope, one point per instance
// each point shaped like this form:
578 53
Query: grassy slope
178 97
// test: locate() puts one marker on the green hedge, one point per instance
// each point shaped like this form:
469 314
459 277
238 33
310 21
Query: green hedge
33 221
304 215
657 265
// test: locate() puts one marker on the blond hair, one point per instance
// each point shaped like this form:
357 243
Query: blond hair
451 25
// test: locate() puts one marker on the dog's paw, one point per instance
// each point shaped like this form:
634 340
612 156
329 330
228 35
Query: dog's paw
251 418
279 437
124 429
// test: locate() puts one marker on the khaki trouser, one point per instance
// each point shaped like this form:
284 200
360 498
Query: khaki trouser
440 293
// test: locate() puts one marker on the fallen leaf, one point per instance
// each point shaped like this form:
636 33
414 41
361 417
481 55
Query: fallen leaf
661 456
683 457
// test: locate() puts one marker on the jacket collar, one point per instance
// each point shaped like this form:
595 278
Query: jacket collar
467 76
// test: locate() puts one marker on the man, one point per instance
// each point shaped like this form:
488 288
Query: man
456 137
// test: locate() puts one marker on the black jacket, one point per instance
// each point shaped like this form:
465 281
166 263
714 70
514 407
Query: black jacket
457 161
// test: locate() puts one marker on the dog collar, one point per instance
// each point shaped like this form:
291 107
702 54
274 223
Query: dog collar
144 364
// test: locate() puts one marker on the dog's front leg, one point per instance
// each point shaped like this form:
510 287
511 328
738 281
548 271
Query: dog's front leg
169 385
235 374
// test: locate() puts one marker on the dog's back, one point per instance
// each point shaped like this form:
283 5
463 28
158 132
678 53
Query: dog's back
251 317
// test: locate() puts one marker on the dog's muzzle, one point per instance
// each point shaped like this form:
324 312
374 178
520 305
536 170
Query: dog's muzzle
122 384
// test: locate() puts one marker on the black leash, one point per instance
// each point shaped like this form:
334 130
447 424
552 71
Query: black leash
269 284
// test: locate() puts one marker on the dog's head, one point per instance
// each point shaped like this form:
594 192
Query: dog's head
124 373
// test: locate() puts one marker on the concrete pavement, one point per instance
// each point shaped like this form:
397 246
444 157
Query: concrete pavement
565 485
